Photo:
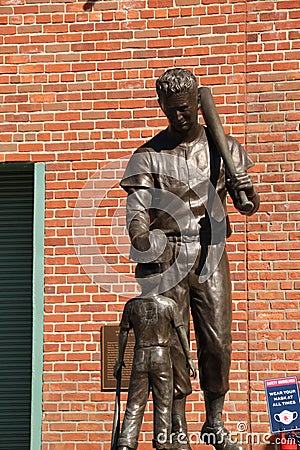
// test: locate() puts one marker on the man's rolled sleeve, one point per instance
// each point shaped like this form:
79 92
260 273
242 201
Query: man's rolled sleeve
241 159
138 173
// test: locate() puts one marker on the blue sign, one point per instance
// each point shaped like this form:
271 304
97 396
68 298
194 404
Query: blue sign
283 404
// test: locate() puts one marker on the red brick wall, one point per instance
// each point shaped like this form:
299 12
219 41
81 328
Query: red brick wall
77 92
273 81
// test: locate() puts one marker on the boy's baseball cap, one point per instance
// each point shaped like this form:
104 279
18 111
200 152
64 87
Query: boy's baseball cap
143 270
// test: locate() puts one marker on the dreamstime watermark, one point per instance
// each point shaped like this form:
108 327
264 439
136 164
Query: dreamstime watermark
102 216
239 436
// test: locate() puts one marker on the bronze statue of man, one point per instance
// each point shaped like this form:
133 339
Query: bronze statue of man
176 215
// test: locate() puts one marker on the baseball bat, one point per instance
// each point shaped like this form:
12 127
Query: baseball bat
116 423
213 123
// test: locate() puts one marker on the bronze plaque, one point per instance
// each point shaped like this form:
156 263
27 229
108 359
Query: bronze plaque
109 355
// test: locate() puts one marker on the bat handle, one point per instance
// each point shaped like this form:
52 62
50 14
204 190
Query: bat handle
246 205
116 421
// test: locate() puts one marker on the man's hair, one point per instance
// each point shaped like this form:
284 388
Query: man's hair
175 81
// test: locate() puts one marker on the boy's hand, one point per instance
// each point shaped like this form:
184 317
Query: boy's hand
192 367
118 366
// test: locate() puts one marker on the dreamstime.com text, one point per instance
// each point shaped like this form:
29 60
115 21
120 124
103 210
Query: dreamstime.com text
239 436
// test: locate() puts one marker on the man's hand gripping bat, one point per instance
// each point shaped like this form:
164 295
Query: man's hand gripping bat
215 127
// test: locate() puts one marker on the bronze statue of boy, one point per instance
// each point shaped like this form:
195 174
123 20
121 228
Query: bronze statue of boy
152 316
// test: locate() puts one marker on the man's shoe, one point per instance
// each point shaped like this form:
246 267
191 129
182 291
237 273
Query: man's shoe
219 438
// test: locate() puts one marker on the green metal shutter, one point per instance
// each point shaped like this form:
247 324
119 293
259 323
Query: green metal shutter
16 255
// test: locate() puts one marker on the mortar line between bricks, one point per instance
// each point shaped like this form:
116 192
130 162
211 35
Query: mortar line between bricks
246 232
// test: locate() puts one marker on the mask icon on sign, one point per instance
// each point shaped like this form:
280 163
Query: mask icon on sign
286 417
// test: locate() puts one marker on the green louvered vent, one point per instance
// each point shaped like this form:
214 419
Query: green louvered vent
16 229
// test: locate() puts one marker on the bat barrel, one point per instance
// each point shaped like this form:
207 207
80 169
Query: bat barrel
213 122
